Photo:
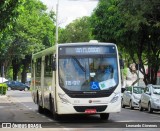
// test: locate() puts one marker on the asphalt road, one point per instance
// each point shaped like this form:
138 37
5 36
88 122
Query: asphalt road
18 106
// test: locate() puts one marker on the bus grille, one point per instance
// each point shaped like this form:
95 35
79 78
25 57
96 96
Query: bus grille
83 108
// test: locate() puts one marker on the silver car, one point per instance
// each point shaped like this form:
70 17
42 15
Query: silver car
150 99
131 96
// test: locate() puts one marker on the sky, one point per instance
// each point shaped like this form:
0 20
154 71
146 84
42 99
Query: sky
70 10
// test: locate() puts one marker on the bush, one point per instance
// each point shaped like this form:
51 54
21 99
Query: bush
3 88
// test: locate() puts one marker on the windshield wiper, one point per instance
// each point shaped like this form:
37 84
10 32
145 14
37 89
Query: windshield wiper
77 61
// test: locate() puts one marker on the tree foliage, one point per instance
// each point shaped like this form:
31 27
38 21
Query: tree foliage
134 26
32 31
77 31
8 12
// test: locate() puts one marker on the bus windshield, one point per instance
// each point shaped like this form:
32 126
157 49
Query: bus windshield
88 73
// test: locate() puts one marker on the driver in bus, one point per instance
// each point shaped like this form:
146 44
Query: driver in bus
104 72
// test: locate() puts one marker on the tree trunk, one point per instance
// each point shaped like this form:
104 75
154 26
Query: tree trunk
146 81
25 68
24 74
15 73
15 66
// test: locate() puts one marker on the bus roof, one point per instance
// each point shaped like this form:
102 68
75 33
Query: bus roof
86 43
51 50
44 52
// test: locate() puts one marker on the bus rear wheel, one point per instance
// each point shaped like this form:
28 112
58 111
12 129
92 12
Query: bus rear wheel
40 108
104 116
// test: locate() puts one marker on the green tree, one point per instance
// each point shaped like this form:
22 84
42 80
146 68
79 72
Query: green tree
32 31
8 12
77 31
134 26
142 19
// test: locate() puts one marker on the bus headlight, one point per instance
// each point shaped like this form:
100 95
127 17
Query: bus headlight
115 98
63 98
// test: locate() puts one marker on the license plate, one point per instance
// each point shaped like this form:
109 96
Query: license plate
90 111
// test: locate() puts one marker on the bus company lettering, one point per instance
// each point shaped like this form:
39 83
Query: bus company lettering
94 101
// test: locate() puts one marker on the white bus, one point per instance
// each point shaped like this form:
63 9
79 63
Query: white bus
77 78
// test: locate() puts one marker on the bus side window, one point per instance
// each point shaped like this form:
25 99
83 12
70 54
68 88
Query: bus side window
48 66
38 68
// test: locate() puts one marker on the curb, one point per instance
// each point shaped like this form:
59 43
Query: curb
3 96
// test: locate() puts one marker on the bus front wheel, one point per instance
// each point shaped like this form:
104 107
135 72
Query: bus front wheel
52 109
40 109
104 116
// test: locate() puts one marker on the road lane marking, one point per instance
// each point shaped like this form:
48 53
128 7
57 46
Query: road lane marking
43 116
50 119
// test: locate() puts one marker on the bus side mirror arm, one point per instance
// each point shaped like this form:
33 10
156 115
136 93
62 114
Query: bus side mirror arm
121 64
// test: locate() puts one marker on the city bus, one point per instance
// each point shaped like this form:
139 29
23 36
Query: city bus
77 78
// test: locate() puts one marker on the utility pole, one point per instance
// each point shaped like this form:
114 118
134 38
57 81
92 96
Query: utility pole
57 5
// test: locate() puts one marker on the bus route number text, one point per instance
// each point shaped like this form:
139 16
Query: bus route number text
72 83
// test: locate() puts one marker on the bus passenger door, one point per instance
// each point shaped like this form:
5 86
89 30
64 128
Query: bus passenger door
53 92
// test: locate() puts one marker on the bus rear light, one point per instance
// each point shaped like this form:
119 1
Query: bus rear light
63 98
115 98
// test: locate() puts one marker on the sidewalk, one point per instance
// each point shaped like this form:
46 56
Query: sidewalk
4 102
3 99
3 96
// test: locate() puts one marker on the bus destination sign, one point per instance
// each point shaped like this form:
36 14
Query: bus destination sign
88 50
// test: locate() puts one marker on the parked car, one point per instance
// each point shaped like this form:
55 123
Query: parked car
28 83
16 85
131 96
150 99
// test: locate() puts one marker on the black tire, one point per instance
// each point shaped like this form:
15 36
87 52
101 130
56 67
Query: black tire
52 109
150 110
25 89
140 106
40 109
104 116
122 104
130 105
56 116
37 98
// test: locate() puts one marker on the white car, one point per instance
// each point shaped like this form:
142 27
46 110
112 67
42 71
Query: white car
150 99
131 96
2 80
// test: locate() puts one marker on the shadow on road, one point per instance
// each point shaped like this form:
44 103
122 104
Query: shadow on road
77 118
